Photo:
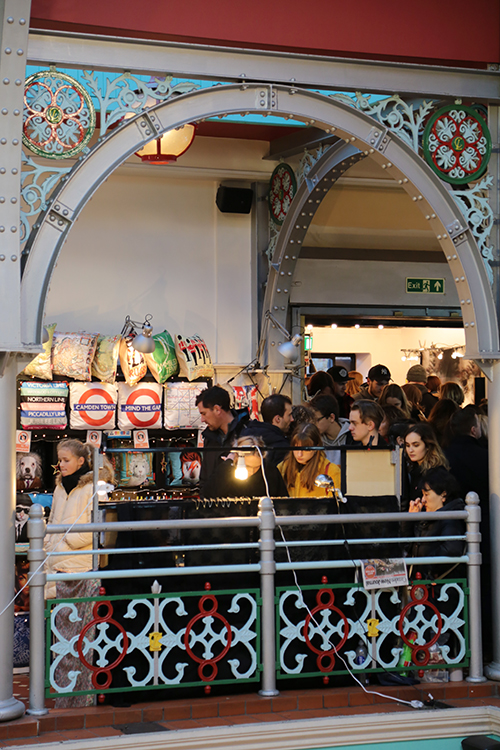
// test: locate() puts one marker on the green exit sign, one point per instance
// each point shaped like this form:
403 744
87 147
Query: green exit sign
425 286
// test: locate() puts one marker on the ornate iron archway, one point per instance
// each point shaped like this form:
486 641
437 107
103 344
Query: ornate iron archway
360 131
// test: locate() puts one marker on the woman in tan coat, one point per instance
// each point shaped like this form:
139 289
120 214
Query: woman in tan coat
72 504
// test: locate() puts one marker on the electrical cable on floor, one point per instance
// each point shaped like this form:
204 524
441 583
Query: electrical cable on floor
414 704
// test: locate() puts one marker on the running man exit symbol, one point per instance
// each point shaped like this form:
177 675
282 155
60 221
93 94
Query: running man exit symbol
425 286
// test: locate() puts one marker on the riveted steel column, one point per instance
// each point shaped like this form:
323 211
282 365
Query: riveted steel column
10 708
268 619
36 556
474 578
493 670
14 19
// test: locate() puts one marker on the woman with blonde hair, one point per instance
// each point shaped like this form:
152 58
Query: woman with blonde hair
72 505
258 478
353 385
301 467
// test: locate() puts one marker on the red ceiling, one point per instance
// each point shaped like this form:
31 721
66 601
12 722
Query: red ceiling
447 31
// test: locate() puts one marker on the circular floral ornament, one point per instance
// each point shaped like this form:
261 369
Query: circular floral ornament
59 117
282 188
457 144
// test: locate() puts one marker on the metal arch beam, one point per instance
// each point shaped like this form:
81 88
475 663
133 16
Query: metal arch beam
362 131
311 193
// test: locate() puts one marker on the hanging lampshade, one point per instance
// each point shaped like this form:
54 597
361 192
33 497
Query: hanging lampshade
169 147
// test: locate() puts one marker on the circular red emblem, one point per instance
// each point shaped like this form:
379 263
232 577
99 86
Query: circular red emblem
91 421
147 420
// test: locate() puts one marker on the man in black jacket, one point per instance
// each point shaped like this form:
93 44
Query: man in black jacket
467 457
276 412
224 426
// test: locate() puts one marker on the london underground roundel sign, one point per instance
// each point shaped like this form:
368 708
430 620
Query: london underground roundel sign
92 406
457 144
139 406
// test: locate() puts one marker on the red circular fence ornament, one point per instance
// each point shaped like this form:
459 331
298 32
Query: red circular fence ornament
207 670
282 188
102 671
457 144
325 660
59 117
419 653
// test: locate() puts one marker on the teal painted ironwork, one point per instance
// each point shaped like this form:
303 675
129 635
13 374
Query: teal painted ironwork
175 640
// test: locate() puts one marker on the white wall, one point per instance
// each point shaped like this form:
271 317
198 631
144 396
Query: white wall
153 241
373 346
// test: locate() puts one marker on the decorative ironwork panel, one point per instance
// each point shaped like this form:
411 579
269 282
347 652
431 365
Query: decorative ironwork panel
473 203
457 144
155 641
320 631
59 117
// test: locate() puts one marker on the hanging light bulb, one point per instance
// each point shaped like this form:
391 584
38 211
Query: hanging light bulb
241 471
440 355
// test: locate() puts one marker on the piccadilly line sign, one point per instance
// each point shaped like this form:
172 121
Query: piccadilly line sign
425 286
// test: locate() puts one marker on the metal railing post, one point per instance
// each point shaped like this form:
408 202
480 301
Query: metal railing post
268 619
96 463
36 557
473 537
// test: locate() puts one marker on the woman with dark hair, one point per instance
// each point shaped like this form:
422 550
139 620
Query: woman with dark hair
394 395
301 467
414 396
452 390
439 419
439 492
395 424
322 384
423 453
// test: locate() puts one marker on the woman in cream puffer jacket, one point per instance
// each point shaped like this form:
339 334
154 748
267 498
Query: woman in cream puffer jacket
72 502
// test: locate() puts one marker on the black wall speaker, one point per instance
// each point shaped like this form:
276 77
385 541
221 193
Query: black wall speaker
231 200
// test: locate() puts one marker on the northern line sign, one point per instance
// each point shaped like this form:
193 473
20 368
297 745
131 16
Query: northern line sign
425 286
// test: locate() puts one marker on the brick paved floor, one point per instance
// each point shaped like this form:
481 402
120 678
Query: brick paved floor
101 721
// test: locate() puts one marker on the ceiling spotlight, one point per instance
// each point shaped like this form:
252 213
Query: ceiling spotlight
380 327
309 327
334 325
440 355
357 325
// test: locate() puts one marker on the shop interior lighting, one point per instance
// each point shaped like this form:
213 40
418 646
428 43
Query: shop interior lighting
380 327
334 325
142 342
170 145
357 325
241 471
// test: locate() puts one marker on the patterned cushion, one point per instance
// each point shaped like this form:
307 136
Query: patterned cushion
194 359
180 407
139 406
136 469
92 406
133 364
72 354
43 405
41 366
162 362
105 360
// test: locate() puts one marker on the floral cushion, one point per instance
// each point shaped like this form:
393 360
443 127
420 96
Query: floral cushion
193 356
106 358
92 406
41 366
72 354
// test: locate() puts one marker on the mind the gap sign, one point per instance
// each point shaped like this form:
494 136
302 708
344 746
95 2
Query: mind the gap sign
425 286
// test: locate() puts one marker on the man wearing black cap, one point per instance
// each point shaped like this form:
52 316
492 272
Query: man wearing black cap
378 377
340 376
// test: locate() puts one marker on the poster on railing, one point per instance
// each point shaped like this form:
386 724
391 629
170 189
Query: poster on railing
384 574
